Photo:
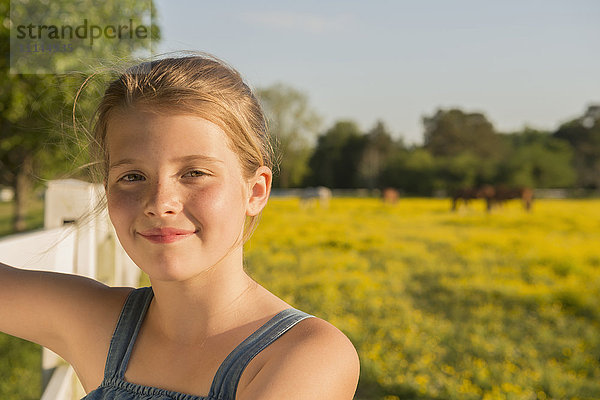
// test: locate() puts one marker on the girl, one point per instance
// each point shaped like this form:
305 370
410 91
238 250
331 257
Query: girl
187 170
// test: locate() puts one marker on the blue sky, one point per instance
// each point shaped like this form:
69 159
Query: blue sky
527 62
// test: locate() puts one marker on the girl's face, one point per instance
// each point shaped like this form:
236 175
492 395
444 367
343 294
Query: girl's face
175 191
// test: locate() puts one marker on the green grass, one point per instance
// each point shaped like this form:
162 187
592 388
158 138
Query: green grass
20 361
34 219
20 369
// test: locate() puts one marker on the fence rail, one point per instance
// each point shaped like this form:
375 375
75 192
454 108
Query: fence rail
71 245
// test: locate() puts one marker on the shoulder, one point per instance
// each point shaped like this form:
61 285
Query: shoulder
89 337
96 304
313 360
94 310
87 302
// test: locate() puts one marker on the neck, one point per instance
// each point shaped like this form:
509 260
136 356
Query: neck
203 306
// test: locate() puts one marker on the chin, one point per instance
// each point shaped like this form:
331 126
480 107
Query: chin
172 271
170 275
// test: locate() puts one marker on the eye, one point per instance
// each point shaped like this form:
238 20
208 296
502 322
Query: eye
132 178
194 174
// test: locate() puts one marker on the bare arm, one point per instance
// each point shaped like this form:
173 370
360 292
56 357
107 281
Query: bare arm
56 310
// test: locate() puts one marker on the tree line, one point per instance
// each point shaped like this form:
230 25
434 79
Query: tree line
460 149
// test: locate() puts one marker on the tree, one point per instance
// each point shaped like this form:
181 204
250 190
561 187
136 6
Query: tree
583 134
537 160
466 147
379 145
36 107
335 160
293 125
459 171
452 132
411 170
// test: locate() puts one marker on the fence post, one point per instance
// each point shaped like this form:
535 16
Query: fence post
67 202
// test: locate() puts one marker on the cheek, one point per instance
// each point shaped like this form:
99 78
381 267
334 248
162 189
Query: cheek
210 202
121 206
218 203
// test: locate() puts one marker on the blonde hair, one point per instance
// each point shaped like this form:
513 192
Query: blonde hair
199 85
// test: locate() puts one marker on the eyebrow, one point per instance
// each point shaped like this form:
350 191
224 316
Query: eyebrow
193 157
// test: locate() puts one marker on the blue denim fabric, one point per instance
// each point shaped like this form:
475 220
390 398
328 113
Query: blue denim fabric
225 382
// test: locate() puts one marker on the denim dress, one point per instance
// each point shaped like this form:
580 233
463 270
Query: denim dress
225 382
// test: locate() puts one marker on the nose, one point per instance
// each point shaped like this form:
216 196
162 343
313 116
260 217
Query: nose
162 199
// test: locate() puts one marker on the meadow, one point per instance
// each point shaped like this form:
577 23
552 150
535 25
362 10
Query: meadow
443 305
440 305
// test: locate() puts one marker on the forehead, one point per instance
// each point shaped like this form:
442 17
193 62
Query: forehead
140 131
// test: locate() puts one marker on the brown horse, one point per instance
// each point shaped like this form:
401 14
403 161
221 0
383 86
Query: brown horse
493 196
504 193
466 194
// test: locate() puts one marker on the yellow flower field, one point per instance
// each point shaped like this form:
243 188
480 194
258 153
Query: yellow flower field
443 305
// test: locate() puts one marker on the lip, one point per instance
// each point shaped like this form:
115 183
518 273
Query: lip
166 235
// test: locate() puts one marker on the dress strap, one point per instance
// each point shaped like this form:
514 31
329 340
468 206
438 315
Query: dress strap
224 385
128 326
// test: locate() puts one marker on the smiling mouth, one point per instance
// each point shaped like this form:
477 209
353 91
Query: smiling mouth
166 235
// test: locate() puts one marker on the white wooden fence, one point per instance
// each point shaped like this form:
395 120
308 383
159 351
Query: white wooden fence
69 244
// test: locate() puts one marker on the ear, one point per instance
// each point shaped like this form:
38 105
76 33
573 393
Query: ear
259 189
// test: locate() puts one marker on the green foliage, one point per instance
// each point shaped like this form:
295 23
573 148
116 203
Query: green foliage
293 125
85 54
412 170
583 134
460 170
451 132
335 160
461 150
538 160
376 152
